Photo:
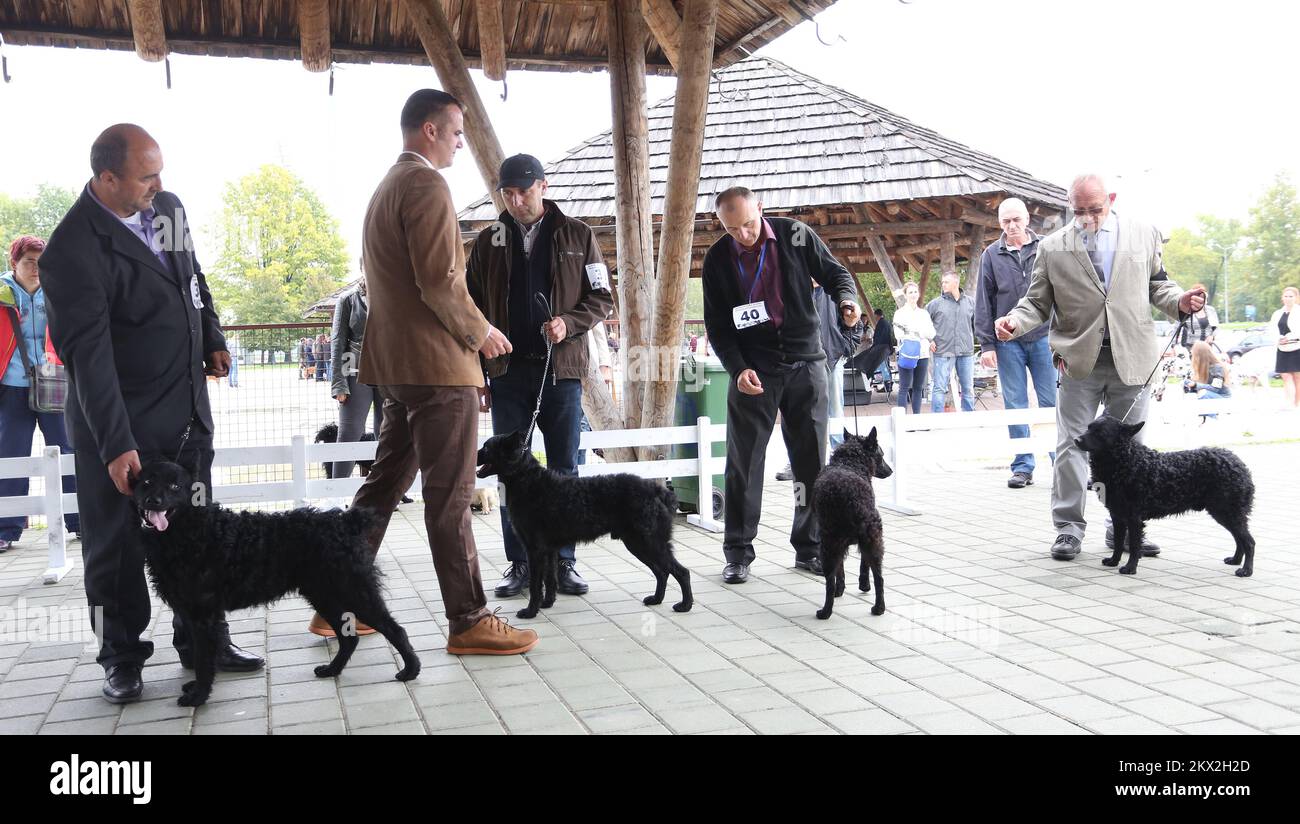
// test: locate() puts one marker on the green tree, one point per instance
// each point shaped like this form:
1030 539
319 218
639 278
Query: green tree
281 251
1274 245
33 215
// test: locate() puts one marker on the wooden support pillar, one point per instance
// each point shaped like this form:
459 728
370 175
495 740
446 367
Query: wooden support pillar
492 39
633 222
973 267
886 268
947 252
923 274
444 54
666 26
690 108
147 29
602 413
314 34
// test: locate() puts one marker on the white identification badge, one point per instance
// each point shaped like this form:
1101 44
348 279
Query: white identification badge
751 314
598 274
195 297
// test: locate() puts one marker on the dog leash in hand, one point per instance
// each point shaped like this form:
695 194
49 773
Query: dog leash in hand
1147 386
545 305
189 426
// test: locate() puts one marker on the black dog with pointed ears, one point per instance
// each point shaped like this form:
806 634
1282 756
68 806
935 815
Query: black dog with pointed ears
206 561
549 510
845 506
1138 483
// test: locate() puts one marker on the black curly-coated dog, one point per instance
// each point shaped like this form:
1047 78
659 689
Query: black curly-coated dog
1137 483
329 433
549 510
845 506
206 561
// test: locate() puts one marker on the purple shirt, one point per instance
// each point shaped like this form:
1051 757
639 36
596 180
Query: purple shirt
748 270
141 224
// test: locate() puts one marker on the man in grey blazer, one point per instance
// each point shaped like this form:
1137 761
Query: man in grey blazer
1096 280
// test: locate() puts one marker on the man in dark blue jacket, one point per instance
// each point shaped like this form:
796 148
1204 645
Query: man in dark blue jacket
132 319
1006 269
760 318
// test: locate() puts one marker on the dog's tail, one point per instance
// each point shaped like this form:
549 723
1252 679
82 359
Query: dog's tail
358 520
668 498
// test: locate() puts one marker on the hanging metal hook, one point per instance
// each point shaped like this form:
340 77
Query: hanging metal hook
167 64
4 60
817 27
331 80
505 89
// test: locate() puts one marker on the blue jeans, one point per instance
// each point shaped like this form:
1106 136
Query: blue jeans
1017 362
835 404
17 424
943 365
514 395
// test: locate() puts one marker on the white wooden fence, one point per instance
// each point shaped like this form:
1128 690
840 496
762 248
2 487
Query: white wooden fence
909 442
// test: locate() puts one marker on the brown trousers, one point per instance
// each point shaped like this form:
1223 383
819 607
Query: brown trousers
433 429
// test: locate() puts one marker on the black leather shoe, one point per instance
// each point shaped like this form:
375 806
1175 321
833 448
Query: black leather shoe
571 582
1066 548
813 565
514 582
735 573
1149 550
123 683
230 659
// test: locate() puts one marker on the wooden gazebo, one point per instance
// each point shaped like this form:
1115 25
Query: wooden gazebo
886 194
631 38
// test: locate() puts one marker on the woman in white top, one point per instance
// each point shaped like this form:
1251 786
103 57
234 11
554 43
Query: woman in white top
911 322
1286 323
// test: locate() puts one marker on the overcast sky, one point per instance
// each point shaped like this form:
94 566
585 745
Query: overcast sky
1187 107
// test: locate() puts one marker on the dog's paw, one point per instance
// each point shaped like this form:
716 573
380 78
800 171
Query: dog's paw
652 600
192 695
878 609
1110 562
548 602
526 613
408 673
839 590
1245 573
1232 560
682 606
823 614
1128 570
864 585
327 671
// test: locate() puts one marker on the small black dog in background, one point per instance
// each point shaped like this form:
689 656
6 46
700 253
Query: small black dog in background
206 561
1137 484
845 506
549 510
329 433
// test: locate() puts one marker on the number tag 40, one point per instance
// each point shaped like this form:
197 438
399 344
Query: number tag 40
751 314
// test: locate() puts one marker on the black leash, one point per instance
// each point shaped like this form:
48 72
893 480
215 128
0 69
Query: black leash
1147 386
545 306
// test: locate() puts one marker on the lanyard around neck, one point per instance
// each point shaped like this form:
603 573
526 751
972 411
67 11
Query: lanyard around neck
758 270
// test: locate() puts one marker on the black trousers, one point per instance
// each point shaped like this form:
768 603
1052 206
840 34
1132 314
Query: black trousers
800 395
116 589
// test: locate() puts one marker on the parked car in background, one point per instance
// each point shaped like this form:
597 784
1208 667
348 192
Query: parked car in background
1254 339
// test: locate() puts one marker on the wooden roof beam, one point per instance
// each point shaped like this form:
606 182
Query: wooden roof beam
444 53
147 29
314 34
492 39
666 26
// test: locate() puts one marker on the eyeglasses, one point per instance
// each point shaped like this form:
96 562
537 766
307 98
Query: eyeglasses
1096 211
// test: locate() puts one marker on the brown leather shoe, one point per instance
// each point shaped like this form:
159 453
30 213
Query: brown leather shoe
319 626
492 636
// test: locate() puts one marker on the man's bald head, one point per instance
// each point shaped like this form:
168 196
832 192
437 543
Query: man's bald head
1090 201
127 166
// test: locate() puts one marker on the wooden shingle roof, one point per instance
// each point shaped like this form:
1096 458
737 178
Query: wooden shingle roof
801 144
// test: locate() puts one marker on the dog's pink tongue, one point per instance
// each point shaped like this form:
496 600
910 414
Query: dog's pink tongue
157 519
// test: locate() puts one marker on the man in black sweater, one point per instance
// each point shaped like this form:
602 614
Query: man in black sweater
760 318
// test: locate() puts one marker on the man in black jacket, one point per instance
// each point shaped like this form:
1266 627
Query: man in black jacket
759 315
132 318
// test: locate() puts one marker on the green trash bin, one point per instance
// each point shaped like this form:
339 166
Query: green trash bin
701 392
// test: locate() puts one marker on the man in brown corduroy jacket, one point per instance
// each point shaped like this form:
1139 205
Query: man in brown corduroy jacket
423 341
